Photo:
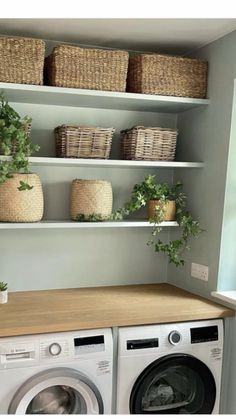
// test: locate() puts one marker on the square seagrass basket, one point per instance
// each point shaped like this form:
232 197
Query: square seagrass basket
167 75
85 68
148 143
83 142
21 60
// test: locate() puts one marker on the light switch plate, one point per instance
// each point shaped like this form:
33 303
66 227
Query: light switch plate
199 271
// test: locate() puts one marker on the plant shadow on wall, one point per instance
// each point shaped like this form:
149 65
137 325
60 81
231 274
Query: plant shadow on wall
165 203
21 197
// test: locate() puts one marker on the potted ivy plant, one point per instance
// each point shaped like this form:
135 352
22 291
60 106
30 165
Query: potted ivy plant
3 293
21 196
164 202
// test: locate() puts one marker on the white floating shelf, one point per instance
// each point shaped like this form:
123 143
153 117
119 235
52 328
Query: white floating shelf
73 224
56 161
62 96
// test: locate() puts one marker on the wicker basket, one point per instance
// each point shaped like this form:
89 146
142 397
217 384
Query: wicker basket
21 206
21 60
167 75
83 68
83 142
148 143
91 198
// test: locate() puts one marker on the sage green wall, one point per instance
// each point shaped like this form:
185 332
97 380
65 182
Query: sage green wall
44 259
205 134
227 266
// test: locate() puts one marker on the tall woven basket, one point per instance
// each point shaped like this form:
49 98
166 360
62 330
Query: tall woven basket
167 75
91 198
21 206
84 68
148 143
21 60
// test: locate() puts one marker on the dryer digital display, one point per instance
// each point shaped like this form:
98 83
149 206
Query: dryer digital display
204 334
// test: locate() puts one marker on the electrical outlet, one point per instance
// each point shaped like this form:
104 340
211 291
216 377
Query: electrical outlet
199 271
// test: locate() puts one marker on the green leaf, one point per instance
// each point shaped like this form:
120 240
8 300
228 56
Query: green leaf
149 189
24 186
15 142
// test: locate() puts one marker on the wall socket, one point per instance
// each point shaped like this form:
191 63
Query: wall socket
199 271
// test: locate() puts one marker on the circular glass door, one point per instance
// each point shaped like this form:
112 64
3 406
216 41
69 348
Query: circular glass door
175 384
57 391
57 400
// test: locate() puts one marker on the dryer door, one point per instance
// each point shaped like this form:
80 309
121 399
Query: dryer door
175 384
57 391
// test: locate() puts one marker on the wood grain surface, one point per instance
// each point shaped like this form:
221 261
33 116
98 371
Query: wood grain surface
35 312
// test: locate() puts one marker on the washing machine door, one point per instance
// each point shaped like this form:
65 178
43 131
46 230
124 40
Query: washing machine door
57 391
175 384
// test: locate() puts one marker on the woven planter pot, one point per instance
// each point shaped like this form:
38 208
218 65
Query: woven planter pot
91 198
21 60
21 206
169 212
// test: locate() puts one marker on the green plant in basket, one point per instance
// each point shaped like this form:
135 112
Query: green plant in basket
14 142
165 202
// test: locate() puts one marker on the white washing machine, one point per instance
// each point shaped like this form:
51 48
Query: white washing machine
170 368
59 373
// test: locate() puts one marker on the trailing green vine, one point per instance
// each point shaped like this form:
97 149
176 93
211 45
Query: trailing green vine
91 218
163 192
14 142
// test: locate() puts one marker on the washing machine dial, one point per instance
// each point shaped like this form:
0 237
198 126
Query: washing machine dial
54 349
174 337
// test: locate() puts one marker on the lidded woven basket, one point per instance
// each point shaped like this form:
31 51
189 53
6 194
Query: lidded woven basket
21 206
91 198
148 143
167 75
21 60
83 142
87 68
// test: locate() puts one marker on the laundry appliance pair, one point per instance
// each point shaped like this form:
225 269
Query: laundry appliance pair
161 369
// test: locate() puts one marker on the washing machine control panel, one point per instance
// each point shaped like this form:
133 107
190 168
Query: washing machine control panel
174 337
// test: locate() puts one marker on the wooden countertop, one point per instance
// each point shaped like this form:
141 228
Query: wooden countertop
35 312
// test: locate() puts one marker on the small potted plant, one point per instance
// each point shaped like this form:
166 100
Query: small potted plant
3 293
165 203
21 196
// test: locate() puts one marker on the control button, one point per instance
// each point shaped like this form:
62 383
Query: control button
54 349
174 337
